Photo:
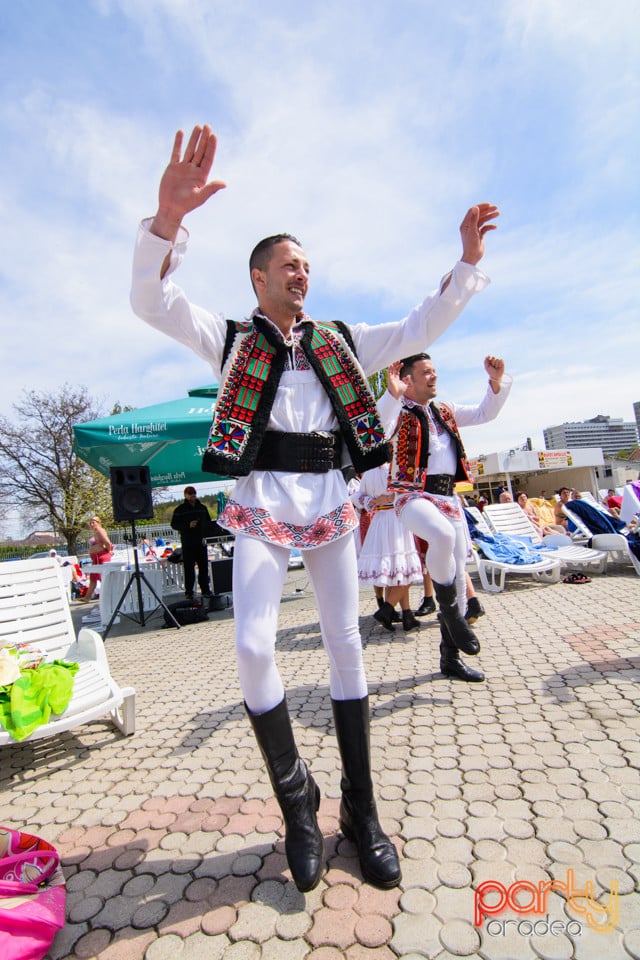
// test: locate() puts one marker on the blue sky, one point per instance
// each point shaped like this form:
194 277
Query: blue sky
365 128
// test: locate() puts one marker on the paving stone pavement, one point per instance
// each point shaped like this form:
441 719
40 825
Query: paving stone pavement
171 841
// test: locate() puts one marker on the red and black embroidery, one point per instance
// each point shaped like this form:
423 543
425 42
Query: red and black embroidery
247 394
411 447
353 404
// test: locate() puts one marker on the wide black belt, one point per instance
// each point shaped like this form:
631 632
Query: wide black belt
440 484
299 452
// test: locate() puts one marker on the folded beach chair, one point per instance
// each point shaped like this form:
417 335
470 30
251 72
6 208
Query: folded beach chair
495 556
511 519
35 619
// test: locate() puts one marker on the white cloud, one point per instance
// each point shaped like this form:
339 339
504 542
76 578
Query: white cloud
367 130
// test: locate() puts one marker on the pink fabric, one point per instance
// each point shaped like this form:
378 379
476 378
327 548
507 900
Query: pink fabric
32 895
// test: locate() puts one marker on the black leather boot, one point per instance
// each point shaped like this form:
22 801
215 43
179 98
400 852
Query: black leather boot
409 622
475 610
297 793
450 663
385 615
427 606
358 815
396 616
460 632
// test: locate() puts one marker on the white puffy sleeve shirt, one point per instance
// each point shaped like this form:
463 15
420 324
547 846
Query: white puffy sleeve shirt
303 510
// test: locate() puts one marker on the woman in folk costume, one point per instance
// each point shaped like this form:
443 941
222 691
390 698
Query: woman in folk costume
293 407
388 558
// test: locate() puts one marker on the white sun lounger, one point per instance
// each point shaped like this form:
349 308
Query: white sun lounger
492 573
510 519
34 609
615 545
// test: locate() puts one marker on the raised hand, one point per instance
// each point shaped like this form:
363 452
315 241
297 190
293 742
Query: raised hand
396 387
476 224
184 185
494 367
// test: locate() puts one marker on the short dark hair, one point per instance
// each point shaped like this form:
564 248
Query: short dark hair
189 490
408 362
262 252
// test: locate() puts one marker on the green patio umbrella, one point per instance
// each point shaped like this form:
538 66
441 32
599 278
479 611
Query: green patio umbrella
169 438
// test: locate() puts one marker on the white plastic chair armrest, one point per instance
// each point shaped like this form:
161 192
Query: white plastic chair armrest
609 541
557 540
90 646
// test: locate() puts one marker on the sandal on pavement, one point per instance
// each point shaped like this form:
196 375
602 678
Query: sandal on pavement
577 578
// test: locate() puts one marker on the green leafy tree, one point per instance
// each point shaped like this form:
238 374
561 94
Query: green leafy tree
378 383
41 473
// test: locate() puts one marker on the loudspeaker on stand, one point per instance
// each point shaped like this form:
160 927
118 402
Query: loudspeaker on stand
131 493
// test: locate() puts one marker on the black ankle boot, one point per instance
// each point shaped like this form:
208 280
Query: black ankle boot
409 622
385 615
460 632
475 610
358 815
396 616
297 793
427 606
450 663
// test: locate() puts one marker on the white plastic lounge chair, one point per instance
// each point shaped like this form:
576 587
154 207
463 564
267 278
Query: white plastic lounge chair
589 497
493 573
511 519
615 545
34 609
478 519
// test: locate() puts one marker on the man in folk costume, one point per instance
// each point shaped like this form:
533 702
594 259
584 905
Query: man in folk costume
428 460
293 407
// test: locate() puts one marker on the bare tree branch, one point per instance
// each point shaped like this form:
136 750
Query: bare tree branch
41 474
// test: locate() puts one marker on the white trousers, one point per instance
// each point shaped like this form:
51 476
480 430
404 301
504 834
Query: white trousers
447 554
259 571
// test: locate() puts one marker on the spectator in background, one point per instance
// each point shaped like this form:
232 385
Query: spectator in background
613 503
100 550
541 529
147 550
564 494
192 520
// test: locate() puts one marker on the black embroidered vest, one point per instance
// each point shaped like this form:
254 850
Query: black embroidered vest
253 362
409 465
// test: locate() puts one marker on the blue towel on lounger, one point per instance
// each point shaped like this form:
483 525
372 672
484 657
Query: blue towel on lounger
596 520
504 549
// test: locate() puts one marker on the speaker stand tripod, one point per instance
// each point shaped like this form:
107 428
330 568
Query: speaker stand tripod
138 578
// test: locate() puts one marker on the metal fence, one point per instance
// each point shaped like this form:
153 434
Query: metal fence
120 536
